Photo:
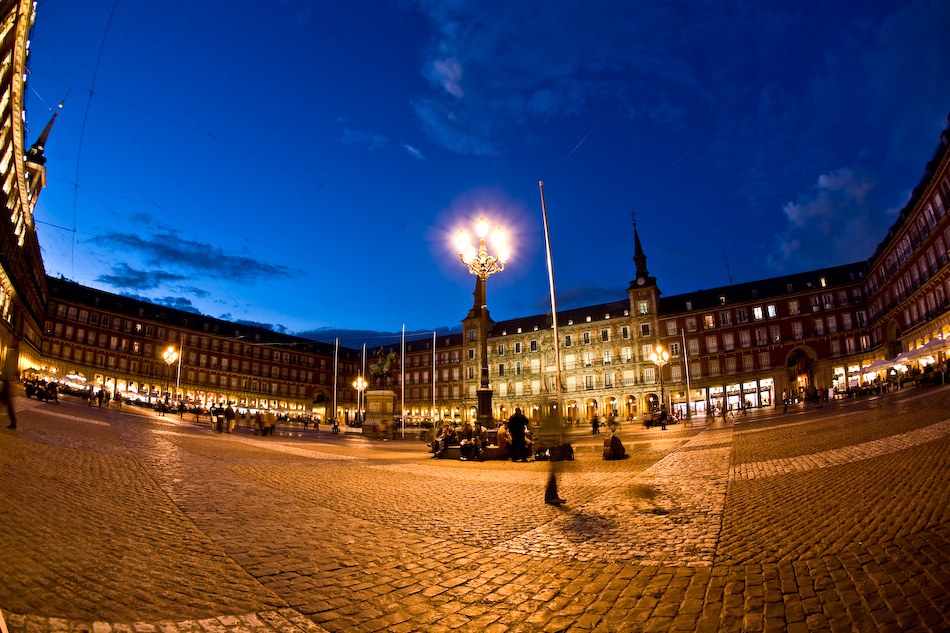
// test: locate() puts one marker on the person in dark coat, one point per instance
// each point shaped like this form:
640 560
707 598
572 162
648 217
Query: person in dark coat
517 424
6 397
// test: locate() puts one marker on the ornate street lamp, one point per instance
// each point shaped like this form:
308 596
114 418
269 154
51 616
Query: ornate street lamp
483 265
359 384
170 356
660 357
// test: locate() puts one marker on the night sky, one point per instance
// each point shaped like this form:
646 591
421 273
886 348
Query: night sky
305 165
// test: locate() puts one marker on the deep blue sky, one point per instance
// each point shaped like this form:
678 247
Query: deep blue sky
306 164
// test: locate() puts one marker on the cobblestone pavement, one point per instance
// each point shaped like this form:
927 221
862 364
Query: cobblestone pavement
824 519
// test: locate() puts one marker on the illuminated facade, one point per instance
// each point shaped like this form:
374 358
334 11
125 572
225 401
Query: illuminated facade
97 338
23 174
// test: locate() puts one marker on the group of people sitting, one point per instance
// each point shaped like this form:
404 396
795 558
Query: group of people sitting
514 438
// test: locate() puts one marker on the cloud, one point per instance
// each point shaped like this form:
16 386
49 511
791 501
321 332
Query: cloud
124 276
371 140
415 153
494 66
449 73
355 338
578 297
178 303
168 250
267 326
836 221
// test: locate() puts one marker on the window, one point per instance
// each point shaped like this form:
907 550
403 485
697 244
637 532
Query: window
695 369
646 350
709 321
676 372
608 357
797 330
731 365
501 369
771 311
757 313
567 341
842 297
728 341
501 349
608 379
693 347
725 318
645 329
747 362
625 332
815 304
588 359
534 345
832 325
471 372
862 318
649 375
819 327
714 367
643 307
856 295
846 321
760 336
471 335
605 335
742 316
674 349
588 382
670 328
518 347
793 307
471 353
775 334
690 325
586 338
711 344
828 300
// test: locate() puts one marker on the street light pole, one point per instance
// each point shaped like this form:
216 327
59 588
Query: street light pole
169 356
359 384
660 357
483 265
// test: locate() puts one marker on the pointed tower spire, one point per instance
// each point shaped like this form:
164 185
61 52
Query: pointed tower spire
638 257
35 154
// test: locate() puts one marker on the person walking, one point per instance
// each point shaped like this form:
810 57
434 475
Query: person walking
517 424
785 400
6 397
229 417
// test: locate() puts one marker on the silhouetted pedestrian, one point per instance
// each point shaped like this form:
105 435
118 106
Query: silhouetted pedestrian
6 396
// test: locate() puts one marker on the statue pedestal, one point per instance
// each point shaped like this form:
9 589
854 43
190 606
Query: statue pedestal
380 408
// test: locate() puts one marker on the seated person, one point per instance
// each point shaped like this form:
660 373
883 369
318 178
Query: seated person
445 438
471 442
502 439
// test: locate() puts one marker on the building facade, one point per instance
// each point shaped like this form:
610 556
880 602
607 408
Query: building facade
23 172
94 338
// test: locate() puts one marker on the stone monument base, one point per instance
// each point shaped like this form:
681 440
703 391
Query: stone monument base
380 410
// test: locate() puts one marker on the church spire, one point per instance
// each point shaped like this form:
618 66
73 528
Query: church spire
638 257
35 154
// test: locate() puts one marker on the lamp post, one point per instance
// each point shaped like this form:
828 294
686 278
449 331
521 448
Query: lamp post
660 357
169 356
359 384
483 265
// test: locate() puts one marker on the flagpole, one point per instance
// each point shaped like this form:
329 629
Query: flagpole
336 370
557 353
689 416
432 411
402 365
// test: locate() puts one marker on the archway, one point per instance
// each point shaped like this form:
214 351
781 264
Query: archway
630 407
590 409
799 367
570 412
893 338
652 402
